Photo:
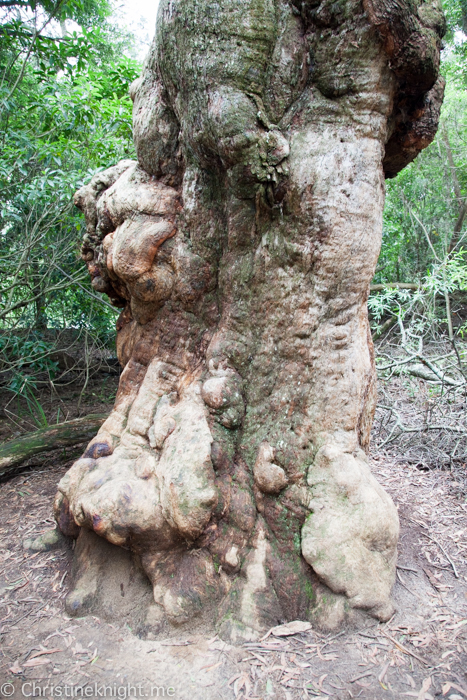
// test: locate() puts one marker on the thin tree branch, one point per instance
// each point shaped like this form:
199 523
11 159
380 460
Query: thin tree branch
94 296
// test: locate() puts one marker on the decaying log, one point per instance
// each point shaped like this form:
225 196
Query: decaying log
15 452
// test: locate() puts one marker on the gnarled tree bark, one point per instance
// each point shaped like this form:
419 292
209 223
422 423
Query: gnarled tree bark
241 246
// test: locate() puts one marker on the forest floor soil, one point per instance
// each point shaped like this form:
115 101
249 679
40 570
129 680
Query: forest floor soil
420 653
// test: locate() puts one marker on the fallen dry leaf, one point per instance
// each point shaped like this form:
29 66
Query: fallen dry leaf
210 668
234 678
362 675
328 657
295 627
242 682
44 651
16 668
425 685
384 670
458 687
36 662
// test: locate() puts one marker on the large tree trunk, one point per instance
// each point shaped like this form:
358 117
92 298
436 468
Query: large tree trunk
241 246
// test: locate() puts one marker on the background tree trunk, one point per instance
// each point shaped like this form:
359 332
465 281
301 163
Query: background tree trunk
241 246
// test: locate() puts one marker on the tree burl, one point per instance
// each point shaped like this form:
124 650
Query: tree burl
240 247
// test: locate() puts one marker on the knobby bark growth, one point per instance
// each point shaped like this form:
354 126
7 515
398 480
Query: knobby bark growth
241 246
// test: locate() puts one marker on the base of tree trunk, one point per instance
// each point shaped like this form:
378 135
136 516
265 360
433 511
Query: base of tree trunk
110 582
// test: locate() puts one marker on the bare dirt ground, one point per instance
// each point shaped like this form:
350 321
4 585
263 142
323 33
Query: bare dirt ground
420 653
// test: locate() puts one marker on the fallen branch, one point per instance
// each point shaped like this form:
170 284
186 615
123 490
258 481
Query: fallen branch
436 375
444 552
405 649
419 372
394 285
421 429
15 452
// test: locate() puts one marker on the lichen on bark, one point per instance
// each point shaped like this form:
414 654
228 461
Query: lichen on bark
240 247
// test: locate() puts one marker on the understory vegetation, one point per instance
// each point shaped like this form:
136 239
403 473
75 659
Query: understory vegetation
418 303
65 113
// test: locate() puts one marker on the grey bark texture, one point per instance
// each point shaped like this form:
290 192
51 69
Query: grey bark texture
241 246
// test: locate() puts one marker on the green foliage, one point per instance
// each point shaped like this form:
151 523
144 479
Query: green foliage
34 407
455 55
421 204
448 276
425 217
424 311
68 128
30 351
65 113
